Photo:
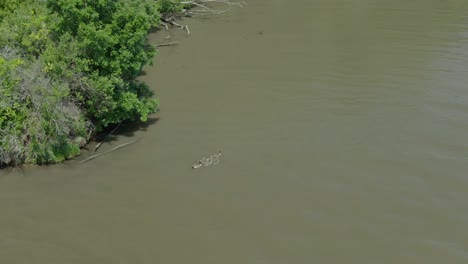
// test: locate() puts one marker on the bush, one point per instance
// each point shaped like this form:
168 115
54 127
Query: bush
39 123
109 39
170 7
68 67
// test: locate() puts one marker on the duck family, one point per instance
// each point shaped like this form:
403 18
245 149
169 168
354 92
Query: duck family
205 162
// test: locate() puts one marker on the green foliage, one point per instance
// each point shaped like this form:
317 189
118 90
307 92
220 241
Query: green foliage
26 28
12 111
62 58
9 6
39 122
109 39
170 6
70 66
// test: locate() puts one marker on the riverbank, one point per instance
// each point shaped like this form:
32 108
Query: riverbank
342 130
69 71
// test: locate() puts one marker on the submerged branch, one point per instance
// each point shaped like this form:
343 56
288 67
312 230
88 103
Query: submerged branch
109 151
100 143
165 25
167 44
200 8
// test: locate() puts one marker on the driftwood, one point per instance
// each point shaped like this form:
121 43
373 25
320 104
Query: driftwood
167 44
182 27
100 143
205 9
165 25
107 152
171 21
200 8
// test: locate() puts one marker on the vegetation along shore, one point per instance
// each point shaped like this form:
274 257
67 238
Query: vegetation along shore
68 69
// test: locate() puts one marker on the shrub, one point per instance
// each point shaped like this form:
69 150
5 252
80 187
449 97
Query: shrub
38 121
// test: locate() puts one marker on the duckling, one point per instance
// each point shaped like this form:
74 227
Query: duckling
218 155
197 165
208 161
211 160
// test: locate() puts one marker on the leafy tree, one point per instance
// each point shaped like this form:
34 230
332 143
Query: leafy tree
39 123
25 28
68 67
112 49
8 6
170 7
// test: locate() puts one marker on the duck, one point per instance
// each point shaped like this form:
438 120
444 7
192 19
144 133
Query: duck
208 161
211 160
197 165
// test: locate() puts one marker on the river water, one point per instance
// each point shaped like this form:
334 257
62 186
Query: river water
343 126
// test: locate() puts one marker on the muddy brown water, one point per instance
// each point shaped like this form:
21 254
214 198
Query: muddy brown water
344 130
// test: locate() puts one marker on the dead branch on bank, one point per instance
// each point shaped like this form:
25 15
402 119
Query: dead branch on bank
167 44
106 152
164 25
100 143
182 27
197 8
202 4
170 20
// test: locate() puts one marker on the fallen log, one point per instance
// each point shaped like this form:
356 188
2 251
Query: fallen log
167 44
100 143
107 152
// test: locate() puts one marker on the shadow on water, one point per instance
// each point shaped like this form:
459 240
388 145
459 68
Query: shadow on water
112 135
126 129
20 170
129 129
5 171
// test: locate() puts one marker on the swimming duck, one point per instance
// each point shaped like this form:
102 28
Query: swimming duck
197 165
211 160
208 161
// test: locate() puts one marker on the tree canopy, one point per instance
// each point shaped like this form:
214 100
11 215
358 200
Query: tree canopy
68 68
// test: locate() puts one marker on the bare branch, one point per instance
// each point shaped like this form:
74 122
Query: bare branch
167 44
188 30
165 25
100 143
109 151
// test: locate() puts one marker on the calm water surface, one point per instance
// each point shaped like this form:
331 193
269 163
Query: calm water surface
344 127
